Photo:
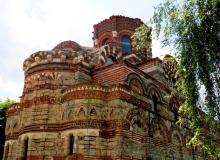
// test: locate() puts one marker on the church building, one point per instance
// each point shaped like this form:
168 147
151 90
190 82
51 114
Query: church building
106 102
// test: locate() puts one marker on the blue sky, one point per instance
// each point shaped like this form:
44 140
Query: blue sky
27 26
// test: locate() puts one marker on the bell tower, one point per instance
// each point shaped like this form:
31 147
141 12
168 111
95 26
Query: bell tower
117 30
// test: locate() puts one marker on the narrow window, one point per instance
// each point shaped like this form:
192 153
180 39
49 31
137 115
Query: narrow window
154 104
126 44
193 152
175 112
71 145
26 149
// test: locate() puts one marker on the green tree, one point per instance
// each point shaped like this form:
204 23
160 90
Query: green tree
3 115
192 28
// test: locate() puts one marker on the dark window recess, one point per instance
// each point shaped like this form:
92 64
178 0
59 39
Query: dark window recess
71 145
26 149
126 44
175 112
154 104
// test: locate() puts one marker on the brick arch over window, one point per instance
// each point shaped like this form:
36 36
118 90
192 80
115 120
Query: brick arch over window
124 33
93 113
104 37
153 90
106 41
131 78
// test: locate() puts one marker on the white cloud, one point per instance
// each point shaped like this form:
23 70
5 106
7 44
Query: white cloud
158 51
11 88
43 23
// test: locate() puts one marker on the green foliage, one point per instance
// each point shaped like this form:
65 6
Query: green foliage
3 115
3 111
141 40
192 28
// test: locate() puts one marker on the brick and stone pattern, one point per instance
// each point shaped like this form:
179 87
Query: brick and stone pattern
70 92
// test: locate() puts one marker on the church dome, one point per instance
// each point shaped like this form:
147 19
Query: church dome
68 45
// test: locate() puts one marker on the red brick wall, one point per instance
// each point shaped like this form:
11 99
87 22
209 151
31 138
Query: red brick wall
113 74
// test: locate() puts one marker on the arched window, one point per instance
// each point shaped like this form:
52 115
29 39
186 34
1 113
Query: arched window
126 44
81 113
154 103
71 144
93 113
26 149
136 86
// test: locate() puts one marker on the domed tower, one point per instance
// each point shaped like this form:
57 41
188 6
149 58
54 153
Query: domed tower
35 121
55 69
117 31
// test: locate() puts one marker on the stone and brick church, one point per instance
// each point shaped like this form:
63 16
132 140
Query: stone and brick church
102 102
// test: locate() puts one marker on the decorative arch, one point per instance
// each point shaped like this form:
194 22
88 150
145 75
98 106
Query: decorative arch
93 113
70 113
137 83
107 35
152 89
106 41
81 113
136 86
112 113
124 33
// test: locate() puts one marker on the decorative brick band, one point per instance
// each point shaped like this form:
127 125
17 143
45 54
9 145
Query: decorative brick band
14 109
105 93
58 67
76 124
